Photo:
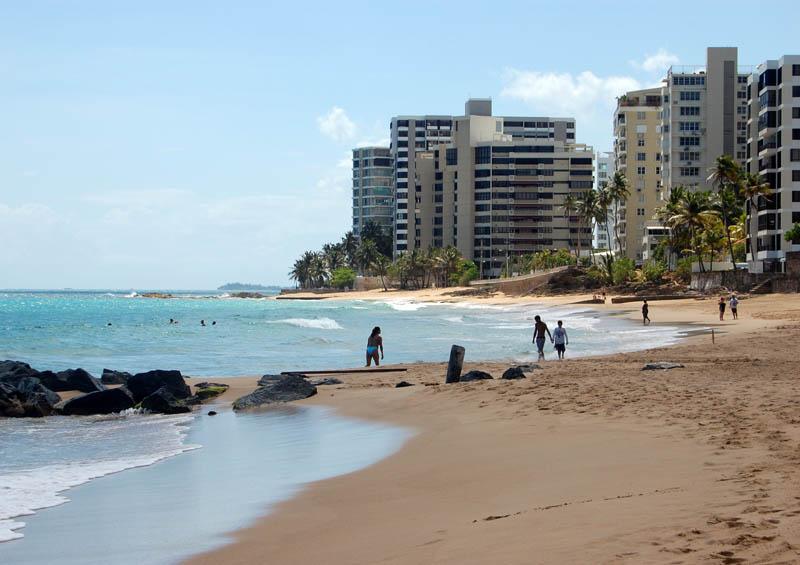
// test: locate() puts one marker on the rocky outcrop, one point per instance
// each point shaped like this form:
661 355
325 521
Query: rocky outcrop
102 402
661 366
474 376
266 379
71 379
206 391
284 389
326 381
514 373
143 385
162 401
15 370
403 384
22 396
110 377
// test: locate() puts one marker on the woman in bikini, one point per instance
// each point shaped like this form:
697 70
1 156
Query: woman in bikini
374 343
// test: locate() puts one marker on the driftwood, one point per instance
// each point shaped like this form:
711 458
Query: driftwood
346 371
455 364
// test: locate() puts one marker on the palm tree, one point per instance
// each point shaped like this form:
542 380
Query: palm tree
588 210
349 246
693 214
300 270
618 192
381 267
604 202
570 206
452 257
665 214
753 187
726 175
366 254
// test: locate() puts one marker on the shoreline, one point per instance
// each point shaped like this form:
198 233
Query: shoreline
683 462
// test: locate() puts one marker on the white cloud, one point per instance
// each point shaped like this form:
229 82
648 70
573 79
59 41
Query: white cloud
659 62
337 125
565 94
382 142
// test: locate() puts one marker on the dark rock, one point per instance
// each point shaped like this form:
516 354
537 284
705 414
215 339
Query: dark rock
326 381
143 385
661 365
110 377
71 379
206 391
266 379
163 401
285 389
212 412
474 376
101 402
403 384
514 373
14 370
22 396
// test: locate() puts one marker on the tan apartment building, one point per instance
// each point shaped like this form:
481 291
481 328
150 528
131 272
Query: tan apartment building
637 152
373 198
704 116
497 195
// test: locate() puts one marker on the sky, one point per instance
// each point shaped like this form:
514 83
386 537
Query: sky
187 144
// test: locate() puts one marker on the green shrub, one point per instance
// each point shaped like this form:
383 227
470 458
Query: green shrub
684 269
596 275
623 270
467 272
343 278
653 271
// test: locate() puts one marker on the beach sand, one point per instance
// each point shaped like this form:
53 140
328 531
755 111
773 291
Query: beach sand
586 461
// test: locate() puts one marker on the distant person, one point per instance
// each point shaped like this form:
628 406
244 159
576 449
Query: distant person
374 343
734 302
604 297
171 321
539 329
108 324
214 323
721 308
645 313
203 323
560 339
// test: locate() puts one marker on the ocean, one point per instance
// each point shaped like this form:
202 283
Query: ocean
132 471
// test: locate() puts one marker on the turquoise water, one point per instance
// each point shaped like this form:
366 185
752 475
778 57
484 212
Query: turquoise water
169 462
253 337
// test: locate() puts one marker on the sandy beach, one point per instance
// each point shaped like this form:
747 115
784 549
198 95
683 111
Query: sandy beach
585 461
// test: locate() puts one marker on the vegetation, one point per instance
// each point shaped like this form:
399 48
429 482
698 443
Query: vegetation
793 234
343 278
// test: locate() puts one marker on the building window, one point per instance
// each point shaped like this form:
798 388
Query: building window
689 155
690 110
641 170
451 156
690 171
690 95
641 156
796 91
686 141
796 70
483 155
794 154
689 126
641 116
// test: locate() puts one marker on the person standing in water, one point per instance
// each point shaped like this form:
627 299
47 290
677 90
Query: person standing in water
560 339
374 343
539 329
734 302
721 308
645 313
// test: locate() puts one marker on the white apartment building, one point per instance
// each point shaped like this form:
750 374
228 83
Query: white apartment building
604 163
773 152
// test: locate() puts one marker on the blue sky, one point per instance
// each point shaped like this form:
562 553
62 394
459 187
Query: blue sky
188 144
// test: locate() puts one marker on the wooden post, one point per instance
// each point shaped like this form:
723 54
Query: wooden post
712 336
455 364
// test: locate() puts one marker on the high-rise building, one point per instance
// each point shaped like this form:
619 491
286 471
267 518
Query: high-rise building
637 152
602 230
704 116
413 142
773 142
373 200
498 189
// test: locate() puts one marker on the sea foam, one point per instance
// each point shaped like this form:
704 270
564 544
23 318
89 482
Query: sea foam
314 323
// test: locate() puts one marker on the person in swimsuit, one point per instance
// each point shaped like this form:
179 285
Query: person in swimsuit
374 343
645 313
721 308
734 302
539 329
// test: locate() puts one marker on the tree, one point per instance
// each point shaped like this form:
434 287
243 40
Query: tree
618 192
792 235
692 214
366 254
666 214
570 206
343 277
726 175
753 188
380 235
588 211
349 246
381 268
300 270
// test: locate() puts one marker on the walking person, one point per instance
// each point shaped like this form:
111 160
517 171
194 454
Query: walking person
561 340
374 343
721 308
539 329
645 313
734 302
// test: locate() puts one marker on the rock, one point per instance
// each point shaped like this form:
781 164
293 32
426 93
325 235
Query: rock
403 384
101 402
110 377
143 385
71 379
206 391
326 381
212 412
163 401
474 376
14 370
528 367
514 373
266 379
285 389
661 365
22 396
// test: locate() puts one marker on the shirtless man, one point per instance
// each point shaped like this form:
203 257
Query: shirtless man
539 329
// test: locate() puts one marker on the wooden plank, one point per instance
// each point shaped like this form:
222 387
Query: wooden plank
347 371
